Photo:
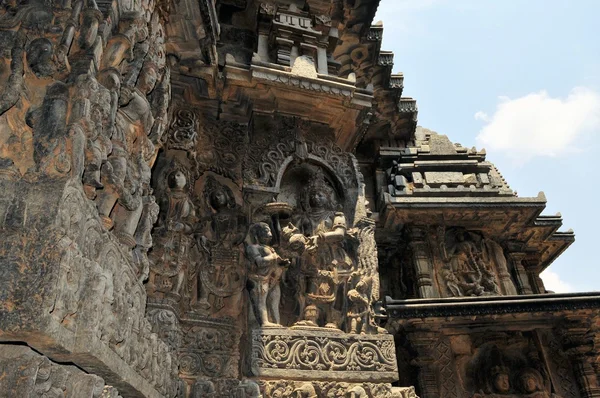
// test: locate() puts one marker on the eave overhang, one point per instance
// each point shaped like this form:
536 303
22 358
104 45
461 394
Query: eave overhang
505 312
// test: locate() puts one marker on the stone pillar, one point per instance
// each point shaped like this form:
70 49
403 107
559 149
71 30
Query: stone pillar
263 47
521 275
322 61
578 345
428 379
422 260
293 55
533 271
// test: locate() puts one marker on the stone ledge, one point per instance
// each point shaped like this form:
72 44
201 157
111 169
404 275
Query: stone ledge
321 354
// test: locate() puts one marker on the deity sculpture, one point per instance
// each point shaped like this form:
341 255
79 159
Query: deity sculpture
40 55
219 239
266 267
174 234
468 271
358 307
326 265
133 123
499 384
531 384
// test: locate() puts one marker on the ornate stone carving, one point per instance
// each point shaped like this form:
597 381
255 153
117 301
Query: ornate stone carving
497 373
209 349
171 256
221 270
322 355
473 265
304 389
184 127
326 265
293 137
29 374
266 267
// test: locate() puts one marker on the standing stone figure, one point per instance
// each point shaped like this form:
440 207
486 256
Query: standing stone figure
266 267
174 234
325 263
358 302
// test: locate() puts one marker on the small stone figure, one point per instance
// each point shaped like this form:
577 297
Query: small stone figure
40 55
452 282
143 236
358 302
502 381
174 233
248 389
266 267
499 384
531 384
219 239
468 265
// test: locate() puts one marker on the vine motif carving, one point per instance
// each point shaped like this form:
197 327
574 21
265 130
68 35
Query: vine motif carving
183 130
322 352
209 349
269 151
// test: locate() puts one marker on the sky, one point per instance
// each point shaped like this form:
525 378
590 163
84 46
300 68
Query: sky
520 78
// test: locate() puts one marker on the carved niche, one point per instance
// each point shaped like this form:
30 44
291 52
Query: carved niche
515 370
472 265
331 280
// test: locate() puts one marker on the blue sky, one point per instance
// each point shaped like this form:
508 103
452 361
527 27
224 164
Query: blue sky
520 78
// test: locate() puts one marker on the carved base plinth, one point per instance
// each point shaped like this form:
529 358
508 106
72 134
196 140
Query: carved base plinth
323 355
293 389
209 350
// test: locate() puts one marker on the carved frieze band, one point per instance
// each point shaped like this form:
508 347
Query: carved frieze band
322 355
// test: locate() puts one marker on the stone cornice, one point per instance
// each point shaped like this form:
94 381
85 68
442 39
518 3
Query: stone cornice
469 306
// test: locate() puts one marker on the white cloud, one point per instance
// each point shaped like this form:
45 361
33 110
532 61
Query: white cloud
553 282
482 116
539 125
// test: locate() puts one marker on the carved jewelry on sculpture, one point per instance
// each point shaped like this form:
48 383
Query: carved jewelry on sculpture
219 239
265 269
326 265
171 255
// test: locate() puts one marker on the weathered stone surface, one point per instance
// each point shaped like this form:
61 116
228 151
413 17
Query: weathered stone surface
231 198
25 373
314 354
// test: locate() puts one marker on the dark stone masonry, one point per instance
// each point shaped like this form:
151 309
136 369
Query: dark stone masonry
232 198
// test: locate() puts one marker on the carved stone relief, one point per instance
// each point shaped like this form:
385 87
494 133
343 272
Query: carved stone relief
472 265
510 371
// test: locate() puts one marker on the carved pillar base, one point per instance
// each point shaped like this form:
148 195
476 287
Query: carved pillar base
319 362
209 357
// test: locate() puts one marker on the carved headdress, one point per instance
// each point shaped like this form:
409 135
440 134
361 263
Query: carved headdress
212 187
318 183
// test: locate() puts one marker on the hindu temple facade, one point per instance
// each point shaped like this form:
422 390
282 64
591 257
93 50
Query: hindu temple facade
232 199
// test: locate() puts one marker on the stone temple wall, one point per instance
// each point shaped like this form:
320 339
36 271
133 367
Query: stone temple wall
232 199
